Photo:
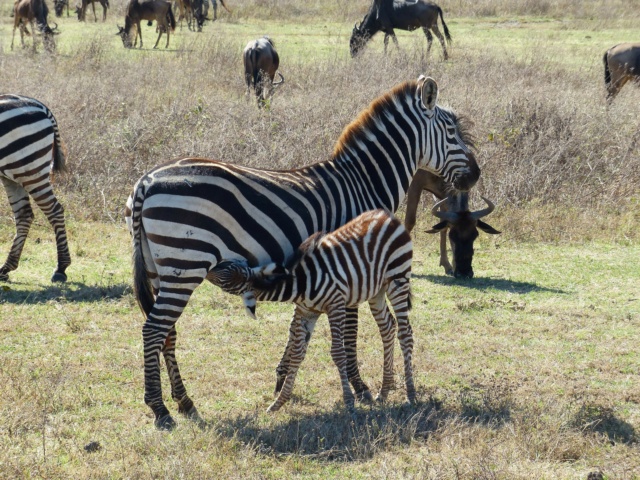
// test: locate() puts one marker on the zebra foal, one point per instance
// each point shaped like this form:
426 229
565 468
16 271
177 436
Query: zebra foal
188 215
364 260
30 149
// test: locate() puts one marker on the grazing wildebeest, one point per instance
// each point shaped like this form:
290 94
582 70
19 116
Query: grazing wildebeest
462 224
385 15
261 63
58 7
35 12
81 10
621 64
137 10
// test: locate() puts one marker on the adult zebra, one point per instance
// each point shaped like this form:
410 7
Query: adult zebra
368 259
30 149
188 215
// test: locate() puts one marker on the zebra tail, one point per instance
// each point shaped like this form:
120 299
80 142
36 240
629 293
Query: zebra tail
607 72
444 26
141 283
59 149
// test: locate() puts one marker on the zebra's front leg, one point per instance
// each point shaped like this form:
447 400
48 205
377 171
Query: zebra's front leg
23 215
399 295
178 390
336 324
303 326
54 212
363 394
387 327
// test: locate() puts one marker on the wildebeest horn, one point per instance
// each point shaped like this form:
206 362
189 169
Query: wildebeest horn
281 80
56 26
356 26
485 211
443 215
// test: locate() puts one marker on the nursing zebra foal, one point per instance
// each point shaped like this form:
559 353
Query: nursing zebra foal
30 149
188 215
361 261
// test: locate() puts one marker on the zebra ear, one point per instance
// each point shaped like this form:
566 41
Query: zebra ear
429 93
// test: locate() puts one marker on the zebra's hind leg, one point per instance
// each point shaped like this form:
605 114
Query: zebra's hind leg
336 324
167 308
399 295
23 215
363 394
387 326
53 210
178 390
302 327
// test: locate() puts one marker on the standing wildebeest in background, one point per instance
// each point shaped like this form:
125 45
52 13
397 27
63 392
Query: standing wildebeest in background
621 64
137 10
385 15
34 12
462 224
261 63
58 7
30 149
81 11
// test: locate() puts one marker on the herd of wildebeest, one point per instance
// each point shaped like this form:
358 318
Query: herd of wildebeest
319 274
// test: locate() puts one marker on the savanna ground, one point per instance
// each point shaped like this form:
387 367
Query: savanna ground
530 370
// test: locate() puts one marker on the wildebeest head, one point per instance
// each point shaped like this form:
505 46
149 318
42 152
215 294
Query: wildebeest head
58 6
358 39
47 34
124 35
463 228
78 12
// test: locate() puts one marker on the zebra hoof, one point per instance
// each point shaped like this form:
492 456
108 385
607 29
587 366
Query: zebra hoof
195 417
59 277
365 397
166 423
4 277
273 408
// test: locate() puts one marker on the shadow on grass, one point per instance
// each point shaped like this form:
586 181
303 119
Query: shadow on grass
68 292
602 419
338 436
487 283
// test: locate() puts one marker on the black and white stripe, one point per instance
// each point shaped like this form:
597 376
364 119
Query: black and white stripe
188 215
365 260
30 149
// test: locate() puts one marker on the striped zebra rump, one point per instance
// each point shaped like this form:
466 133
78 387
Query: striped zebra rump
365 260
30 150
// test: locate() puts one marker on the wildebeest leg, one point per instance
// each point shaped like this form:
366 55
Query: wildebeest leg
386 42
93 6
104 12
160 35
427 33
363 393
444 258
436 32
413 198
23 215
140 34
614 87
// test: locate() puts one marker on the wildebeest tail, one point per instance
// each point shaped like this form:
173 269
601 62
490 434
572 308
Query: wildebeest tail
255 71
607 72
59 150
225 7
106 2
141 282
171 19
444 25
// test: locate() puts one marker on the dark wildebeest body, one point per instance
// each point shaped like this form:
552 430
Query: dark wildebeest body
386 15
462 224
261 62
35 12
621 64
138 10
81 11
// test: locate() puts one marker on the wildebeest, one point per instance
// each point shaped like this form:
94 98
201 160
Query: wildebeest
461 224
621 64
385 15
81 10
58 7
35 12
137 10
261 62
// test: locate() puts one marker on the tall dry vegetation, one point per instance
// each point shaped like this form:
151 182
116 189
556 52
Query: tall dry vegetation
544 134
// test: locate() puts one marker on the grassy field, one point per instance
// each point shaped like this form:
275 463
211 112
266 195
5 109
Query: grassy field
530 370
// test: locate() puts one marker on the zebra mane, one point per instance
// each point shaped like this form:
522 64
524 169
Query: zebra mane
465 127
367 117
